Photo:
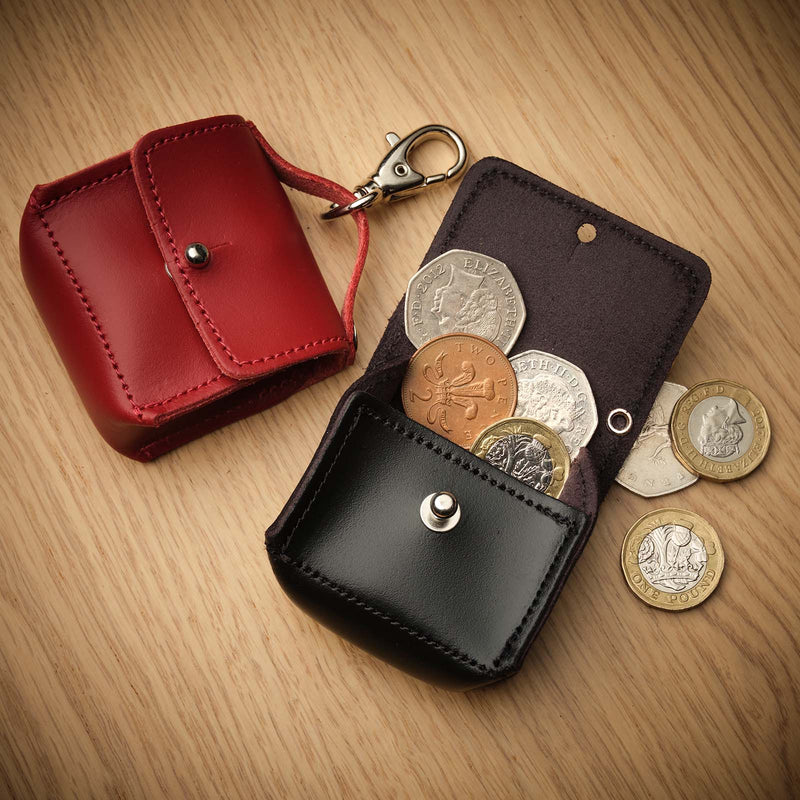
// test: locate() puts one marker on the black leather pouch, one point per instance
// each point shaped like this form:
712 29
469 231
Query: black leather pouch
460 609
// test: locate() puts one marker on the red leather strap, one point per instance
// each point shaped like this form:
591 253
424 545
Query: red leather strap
318 186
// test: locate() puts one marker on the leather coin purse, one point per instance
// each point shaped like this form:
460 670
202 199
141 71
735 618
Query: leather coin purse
461 608
178 287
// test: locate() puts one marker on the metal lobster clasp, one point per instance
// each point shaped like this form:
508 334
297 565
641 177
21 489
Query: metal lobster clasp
395 178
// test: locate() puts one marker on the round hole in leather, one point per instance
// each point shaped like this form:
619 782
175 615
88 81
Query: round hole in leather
587 233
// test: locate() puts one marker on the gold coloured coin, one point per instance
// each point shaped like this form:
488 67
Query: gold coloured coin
720 430
527 450
457 384
672 559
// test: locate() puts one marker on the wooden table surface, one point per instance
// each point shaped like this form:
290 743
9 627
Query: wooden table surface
147 650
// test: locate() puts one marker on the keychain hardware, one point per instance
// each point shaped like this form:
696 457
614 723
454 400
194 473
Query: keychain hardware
395 179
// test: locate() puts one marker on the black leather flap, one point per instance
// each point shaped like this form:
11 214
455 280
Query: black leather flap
457 608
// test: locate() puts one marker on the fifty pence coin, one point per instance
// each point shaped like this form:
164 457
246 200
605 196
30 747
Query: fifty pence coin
720 430
464 292
557 393
458 384
651 468
672 559
528 451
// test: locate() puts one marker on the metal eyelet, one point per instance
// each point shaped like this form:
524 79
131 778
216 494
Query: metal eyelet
619 430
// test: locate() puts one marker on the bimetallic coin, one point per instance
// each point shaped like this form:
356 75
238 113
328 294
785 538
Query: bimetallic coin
557 393
458 384
672 559
651 468
720 430
464 292
528 451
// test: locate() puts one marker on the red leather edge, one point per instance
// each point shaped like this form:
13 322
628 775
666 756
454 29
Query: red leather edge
328 190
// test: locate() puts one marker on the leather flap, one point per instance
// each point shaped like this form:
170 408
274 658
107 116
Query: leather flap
260 304
458 608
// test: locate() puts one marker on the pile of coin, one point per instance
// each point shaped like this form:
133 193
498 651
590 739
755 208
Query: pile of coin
529 415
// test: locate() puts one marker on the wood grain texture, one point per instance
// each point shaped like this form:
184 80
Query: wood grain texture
147 650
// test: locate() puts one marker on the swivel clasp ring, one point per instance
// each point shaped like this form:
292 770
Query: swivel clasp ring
395 179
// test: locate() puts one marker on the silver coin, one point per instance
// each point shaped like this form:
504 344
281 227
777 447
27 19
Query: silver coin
523 457
651 469
555 392
464 292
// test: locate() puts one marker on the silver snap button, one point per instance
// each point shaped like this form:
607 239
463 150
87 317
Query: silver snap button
440 511
197 254
619 421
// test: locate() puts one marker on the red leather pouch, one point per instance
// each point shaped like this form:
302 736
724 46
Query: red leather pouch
160 349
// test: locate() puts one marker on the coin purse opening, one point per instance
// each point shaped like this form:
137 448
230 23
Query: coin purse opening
461 608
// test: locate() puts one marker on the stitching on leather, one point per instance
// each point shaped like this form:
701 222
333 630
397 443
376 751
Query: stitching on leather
79 189
324 480
551 195
560 519
453 652
467 465
40 208
267 390
183 392
137 408
90 311
515 634
187 280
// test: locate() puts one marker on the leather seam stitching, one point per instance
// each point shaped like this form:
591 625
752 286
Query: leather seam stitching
267 390
537 597
617 228
187 280
41 207
90 311
79 189
183 392
137 408
316 575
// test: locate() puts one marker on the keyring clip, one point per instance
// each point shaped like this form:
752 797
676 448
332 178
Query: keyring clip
395 179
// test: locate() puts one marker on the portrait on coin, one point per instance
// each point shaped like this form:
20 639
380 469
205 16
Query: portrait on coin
547 398
721 429
465 304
